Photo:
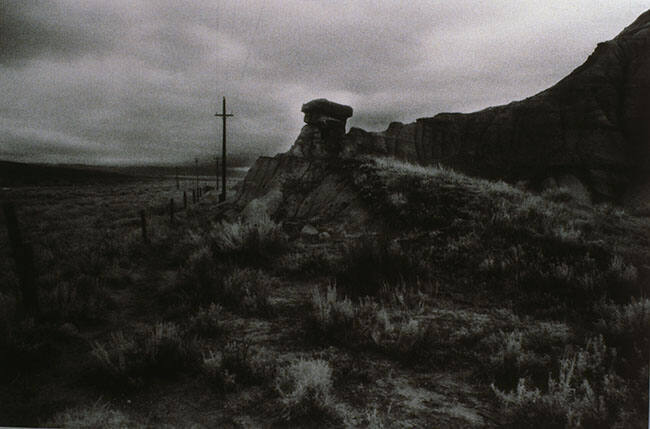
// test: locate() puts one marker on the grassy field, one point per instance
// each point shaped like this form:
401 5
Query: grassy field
468 304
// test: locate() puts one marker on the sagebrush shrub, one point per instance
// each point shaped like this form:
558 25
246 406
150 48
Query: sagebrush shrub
305 390
254 241
220 378
369 265
331 317
84 298
248 290
200 276
522 350
584 393
158 350
367 323
238 364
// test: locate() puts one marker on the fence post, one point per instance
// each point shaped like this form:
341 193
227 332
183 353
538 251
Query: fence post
23 254
143 225
171 210
184 200
193 196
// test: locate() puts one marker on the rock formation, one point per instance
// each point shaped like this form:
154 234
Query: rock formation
589 133
593 125
322 136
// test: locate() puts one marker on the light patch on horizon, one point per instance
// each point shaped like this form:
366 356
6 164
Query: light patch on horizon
139 82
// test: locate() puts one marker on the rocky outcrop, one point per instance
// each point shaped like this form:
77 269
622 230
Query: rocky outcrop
323 134
299 189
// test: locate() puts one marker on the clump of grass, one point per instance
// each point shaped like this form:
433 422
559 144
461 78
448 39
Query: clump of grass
26 345
247 290
219 377
305 392
559 194
205 278
401 336
627 327
254 241
366 323
369 265
84 298
306 264
584 393
237 364
206 321
373 419
524 352
200 276
99 415
331 317
155 351
631 319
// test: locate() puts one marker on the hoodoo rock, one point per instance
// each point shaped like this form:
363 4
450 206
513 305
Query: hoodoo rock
322 136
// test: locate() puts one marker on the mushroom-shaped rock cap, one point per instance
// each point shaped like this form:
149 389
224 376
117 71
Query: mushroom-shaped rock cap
329 108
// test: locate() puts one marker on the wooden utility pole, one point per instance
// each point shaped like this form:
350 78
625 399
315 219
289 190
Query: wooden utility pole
143 225
223 115
216 160
196 172
23 254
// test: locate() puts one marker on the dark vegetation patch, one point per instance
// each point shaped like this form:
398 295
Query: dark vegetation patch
541 303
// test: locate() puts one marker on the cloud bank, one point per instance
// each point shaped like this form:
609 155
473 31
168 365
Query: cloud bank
127 82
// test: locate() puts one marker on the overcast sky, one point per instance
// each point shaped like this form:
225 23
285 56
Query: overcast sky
138 81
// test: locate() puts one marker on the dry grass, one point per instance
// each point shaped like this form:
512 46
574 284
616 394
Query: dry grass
305 388
98 415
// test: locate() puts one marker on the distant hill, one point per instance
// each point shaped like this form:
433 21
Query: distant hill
21 174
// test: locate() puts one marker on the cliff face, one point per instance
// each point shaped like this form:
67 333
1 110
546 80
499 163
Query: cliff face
589 132
594 125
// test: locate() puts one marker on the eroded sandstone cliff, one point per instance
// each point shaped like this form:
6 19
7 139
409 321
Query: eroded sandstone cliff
593 125
590 132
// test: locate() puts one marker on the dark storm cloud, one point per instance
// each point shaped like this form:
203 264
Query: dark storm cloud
37 28
139 81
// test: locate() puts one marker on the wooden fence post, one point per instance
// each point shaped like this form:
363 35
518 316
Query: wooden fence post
193 196
143 225
184 200
171 210
23 254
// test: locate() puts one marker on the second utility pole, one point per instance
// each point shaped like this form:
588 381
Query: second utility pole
223 115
